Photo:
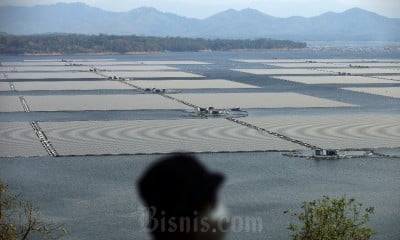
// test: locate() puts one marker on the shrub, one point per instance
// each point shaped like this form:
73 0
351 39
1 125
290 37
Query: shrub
332 219
21 220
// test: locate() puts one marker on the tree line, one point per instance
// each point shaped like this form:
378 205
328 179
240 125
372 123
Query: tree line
76 43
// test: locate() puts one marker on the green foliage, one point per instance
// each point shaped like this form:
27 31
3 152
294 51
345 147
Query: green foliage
21 220
332 219
74 43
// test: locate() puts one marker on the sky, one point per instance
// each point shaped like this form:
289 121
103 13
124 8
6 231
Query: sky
205 8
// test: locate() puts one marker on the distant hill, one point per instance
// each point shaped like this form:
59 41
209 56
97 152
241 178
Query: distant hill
351 25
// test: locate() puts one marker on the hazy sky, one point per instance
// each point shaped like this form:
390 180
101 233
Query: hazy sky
205 8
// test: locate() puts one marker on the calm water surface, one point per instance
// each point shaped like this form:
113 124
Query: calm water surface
95 197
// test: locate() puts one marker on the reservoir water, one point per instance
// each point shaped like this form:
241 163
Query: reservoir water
94 197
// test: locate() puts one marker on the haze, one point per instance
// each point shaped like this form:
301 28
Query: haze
205 8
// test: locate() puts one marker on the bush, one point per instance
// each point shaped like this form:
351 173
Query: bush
22 220
332 219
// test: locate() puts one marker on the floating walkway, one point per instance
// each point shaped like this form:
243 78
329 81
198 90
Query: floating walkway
281 136
38 131
44 140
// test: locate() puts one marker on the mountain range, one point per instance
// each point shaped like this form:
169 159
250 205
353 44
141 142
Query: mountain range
352 25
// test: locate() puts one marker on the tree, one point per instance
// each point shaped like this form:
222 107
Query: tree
332 219
21 220
76 43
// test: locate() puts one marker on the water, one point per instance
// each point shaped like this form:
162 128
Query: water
95 197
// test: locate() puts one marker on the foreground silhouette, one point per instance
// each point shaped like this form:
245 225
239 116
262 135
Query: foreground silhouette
181 197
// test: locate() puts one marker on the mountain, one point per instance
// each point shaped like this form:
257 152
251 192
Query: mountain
239 24
351 25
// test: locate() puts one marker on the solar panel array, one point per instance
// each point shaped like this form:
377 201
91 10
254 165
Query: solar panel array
158 136
337 131
259 100
29 86
18 139
101 102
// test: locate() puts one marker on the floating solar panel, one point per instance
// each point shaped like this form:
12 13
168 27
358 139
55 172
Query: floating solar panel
190 84
152 74
133 68
10 104
307 65
34 63
283 71
333 79
70 85
362 70
52 75
389 77
270 60
258 100
45 68
393 92
375 64
337 131
109 63
158 136
19 139
101 102
332 60
5 86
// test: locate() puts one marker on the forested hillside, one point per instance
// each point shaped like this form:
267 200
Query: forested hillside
73 43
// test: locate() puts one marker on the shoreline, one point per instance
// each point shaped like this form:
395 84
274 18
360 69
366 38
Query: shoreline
151 52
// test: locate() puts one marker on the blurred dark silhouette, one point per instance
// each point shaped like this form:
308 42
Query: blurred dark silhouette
181 196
